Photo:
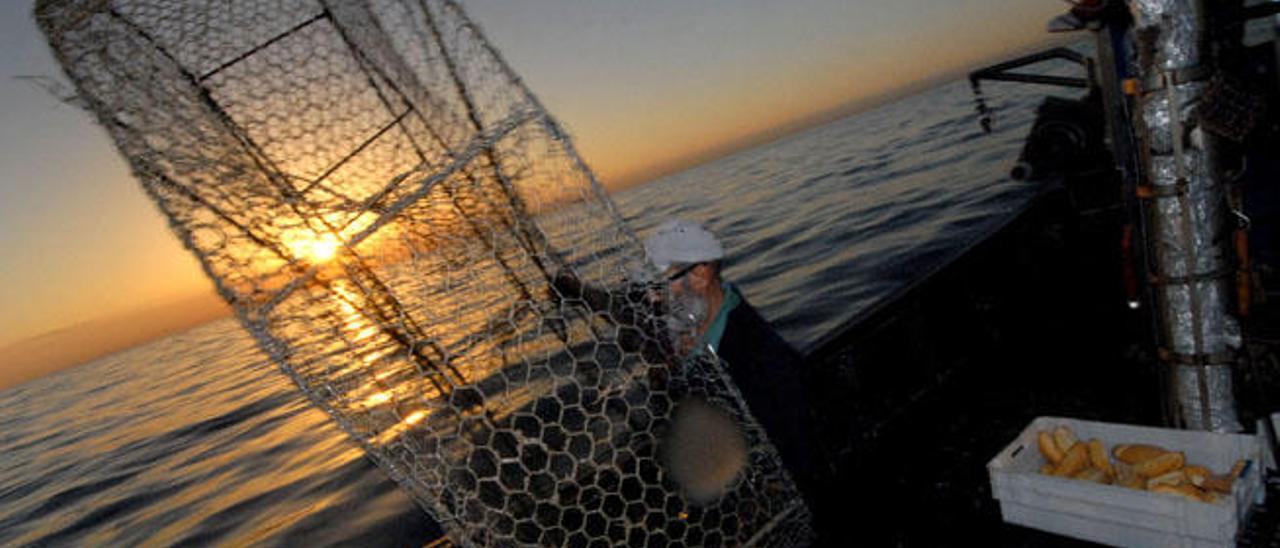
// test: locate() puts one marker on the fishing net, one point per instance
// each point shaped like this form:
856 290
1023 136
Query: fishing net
413 239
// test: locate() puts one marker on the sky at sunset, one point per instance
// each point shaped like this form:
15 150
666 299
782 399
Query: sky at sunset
643 87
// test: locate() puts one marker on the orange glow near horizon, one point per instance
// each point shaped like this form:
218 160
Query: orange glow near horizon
644 89
648 117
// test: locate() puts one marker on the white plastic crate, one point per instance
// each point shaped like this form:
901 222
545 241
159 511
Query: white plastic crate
1116 515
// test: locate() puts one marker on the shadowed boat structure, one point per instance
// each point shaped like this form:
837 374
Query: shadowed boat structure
1051 314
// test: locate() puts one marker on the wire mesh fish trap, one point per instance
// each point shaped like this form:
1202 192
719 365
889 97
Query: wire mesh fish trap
388 209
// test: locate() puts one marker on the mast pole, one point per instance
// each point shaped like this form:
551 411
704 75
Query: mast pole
1199 338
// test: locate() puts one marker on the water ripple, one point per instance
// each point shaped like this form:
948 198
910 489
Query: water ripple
198 439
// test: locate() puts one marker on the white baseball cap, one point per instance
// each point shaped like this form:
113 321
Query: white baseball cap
678 241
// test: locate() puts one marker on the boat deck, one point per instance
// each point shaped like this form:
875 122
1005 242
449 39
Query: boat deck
914 397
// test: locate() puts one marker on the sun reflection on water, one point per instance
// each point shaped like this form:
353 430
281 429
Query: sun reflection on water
401 427
397 347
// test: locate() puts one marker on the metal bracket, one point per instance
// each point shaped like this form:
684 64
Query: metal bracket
1198 360
1176 77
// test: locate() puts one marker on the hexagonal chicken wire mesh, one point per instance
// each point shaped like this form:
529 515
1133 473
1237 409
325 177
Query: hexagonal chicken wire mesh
410 236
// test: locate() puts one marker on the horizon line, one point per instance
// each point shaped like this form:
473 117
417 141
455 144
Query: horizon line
822 117
625 182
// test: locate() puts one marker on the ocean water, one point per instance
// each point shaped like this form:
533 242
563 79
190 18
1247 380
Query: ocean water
198 439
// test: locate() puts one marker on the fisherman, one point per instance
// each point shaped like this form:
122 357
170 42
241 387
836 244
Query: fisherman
717 322
764 367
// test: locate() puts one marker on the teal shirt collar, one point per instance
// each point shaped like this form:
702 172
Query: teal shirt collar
716 332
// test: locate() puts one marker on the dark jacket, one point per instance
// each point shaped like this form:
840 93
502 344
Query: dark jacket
768 372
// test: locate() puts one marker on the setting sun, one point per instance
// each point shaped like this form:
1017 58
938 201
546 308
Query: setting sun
316 249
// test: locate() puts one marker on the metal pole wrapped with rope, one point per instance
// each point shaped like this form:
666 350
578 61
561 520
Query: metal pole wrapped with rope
1188 213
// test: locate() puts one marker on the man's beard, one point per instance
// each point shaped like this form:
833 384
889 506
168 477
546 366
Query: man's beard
689 311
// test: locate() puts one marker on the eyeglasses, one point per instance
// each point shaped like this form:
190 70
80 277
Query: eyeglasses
680 273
